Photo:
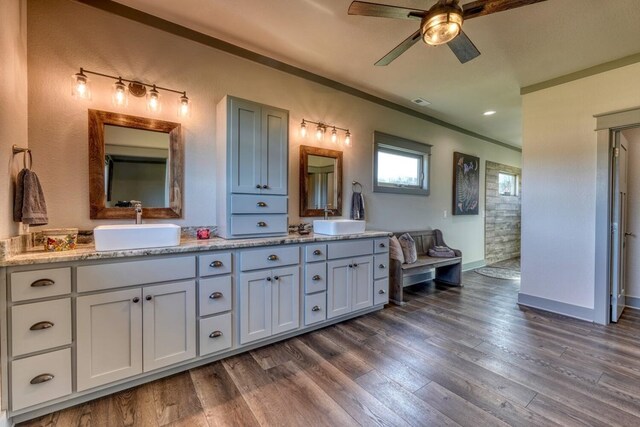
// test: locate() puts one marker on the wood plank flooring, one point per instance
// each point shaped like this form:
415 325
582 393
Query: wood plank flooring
452 356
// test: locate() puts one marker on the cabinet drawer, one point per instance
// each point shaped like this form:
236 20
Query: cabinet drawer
269 257
381 266
381 245
215 295
250 204
27 285
40 325
214 264
315 277
215 334
315 253
349 249
381 291
120 274
244 225
41 378
315 308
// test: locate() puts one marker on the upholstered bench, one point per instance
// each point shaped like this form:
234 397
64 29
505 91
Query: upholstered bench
447 270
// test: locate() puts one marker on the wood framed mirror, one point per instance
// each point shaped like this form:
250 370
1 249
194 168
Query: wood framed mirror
134 158
320 181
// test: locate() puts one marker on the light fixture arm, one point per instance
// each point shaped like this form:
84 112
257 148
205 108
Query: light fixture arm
324 125
166 89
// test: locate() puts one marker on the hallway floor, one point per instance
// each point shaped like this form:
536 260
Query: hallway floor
452 356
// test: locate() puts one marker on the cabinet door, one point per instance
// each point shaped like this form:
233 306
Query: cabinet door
362 283
285 304
255 306
246 146
275 146
338 292
169 316
109 337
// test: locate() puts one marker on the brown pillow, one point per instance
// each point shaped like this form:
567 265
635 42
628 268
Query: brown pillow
395 250
408 248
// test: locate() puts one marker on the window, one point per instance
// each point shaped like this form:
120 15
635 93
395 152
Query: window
400 165
507 184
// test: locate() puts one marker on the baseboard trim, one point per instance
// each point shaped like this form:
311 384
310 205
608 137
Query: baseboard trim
576 311
473 265
633 302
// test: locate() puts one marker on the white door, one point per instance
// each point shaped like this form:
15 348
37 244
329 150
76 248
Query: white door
362 283
618 230
285 305
109 337
338 287
169 315
255 306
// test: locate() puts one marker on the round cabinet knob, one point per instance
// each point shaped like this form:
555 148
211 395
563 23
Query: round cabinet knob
316 277
350 265
265 187
136 300
42 378
382 245
216 295
276 277
148 297
355 265
272 257
315 308
317 252
258 186
41 325
381 266
215 334
268 279
382 291
262 224
216 264
261 204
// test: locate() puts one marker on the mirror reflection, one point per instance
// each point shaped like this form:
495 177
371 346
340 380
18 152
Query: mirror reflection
136 167
320 181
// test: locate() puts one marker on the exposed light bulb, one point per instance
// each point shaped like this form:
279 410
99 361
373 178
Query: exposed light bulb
347 139
119 97
334 135
184 106
153 100
303 129
319 132
80 88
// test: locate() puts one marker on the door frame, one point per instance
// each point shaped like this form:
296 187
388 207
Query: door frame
607 125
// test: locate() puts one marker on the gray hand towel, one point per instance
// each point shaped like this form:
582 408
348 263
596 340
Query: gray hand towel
357 205
29 204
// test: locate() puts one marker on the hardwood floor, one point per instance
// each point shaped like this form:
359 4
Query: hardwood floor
452 356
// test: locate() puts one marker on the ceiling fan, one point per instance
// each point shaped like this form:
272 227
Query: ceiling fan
441 24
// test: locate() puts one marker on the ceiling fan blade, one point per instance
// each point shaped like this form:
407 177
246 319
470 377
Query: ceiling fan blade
463 48
384 10
400 49
487 7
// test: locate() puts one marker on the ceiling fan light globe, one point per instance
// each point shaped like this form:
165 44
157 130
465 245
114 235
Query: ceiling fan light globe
442 24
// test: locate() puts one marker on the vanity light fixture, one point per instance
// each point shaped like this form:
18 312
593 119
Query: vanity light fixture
321 129
121 92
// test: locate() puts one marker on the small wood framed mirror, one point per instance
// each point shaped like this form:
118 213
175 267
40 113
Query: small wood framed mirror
320 181
134 159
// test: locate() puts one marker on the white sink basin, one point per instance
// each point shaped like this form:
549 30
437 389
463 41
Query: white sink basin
336 227
135 236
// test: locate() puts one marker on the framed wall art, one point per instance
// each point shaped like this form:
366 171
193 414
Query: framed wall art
466 184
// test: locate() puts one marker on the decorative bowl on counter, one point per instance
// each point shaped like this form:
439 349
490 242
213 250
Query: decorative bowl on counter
60 239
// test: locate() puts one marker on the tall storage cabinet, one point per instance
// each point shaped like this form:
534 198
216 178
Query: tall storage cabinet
252 143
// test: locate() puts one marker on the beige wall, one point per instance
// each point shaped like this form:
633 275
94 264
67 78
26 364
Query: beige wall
13 102
559 171
60 43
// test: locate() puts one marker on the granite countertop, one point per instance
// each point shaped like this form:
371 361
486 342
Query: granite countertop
88 252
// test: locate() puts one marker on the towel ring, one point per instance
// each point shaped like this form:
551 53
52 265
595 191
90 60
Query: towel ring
355 185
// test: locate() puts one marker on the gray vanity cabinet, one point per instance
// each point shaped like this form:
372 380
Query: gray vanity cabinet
349 285
253 150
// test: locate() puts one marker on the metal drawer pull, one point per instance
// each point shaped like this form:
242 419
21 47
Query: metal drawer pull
382 291
215 334
317 252
216 264
216 295
41 325
42 378
316 277
42 282
315 308
382 245
381 266
272 257
261 204
262 224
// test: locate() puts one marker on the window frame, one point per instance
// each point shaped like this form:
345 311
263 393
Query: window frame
516 190
398 146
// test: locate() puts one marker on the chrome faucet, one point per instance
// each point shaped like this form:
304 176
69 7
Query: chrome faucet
137 206
327 211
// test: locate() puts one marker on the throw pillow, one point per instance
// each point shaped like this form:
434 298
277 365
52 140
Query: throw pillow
408 248
395 250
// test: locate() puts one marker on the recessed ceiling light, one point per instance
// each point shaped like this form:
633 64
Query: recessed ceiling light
489 113
421 101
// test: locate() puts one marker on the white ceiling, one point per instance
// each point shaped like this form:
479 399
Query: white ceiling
519 48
